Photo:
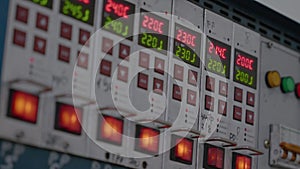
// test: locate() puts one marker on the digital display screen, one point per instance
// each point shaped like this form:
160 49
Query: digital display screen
44 3
81 10
187 45
154 31
245 69
118 18
217 58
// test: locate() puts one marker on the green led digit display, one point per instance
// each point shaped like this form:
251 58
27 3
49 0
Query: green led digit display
154 31
245 69
81 10
187 45
118 18
44 3
217 66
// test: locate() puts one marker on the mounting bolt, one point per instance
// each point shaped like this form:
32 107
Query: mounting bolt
20 135
267 144
270 44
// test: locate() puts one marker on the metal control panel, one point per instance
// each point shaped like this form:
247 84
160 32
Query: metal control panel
145 84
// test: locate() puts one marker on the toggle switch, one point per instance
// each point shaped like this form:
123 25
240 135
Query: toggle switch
273 79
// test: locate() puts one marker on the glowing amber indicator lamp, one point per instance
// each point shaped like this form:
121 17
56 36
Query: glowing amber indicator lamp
242 161
111 130
68 118
214 157
23 106
147 140
182 151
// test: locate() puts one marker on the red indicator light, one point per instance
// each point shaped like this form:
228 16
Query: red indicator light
147 140
245 62
182 150
23 106
214 157
68 118
241 161
298 90
118 9
217 50
111 130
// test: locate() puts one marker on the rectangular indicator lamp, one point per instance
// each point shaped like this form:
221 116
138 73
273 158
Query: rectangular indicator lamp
182 149
118 18
23 106
147 140
44 3
154 32
81 10
68 118
111 129
213 157
217 57
187 45
245 69
240 161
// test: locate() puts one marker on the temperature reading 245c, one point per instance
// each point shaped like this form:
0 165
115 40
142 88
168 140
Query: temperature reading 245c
220 51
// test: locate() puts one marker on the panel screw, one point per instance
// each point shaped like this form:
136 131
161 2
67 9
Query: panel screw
267 144
270 44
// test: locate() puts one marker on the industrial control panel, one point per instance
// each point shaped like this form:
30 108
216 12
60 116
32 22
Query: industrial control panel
145 84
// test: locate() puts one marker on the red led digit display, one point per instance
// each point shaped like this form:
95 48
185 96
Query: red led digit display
118 9
245 69
185 37
85 1
117 17
217 50
244 61
152 24
217 58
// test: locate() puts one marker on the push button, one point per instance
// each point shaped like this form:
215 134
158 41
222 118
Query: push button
159 66
144 60
222 106
122 73
64 53
143 81
238 94
178 72
42 21
237 113
249 117
83 37
192 77
66 31
210 83
19 38
105 67
250 99
124 52
39 45
209 103
287 84
22 14
191 97
158 86
177 92
83 60
223 88
107 46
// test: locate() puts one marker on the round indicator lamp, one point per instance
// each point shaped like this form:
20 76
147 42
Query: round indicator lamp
298 90
273 79
287 84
